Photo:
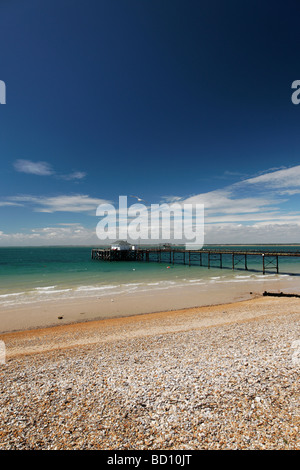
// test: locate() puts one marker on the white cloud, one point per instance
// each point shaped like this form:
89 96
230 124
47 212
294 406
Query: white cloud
45 169
253 210
63 203
226 201
219 233
75 175
34 168
252 234
53 235
171 199
6 203
280 179
261 217
255 195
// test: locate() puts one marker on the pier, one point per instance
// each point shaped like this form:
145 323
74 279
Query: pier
203 257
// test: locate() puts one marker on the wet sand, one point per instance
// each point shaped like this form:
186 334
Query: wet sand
31 341
66 311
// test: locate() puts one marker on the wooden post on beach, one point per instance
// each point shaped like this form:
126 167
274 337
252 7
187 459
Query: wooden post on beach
263 261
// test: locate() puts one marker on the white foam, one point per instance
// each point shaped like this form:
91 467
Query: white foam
11 295
45 288
133 284
58 291
91 288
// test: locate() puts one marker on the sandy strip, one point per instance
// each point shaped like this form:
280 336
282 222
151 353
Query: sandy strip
122 328
48 313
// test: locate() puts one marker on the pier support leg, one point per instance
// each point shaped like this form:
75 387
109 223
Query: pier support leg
246 266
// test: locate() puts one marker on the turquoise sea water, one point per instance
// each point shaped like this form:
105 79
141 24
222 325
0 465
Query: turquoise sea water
30 274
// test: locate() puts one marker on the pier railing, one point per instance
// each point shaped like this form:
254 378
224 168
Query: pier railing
210 258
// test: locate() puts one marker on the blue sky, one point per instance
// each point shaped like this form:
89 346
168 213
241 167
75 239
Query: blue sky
167 100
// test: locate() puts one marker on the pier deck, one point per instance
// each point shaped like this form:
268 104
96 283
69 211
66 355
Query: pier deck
203 257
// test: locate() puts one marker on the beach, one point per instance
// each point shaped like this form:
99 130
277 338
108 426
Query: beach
150 227
222 376
89 303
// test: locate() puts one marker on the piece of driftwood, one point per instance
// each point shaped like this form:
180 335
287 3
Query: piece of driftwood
280 294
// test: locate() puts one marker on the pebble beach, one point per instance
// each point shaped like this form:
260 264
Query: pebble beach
207 378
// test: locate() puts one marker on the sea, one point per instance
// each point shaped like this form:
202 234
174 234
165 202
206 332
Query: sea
35 274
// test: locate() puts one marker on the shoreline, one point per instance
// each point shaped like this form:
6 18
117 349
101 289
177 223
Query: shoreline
57 312
109 330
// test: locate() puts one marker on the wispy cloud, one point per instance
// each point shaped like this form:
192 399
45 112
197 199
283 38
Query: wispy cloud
236 233
62 203
255 209
228 201
33 168
7 203
45 169
280 179
75 234
75 175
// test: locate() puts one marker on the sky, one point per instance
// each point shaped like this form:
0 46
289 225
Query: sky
164 100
